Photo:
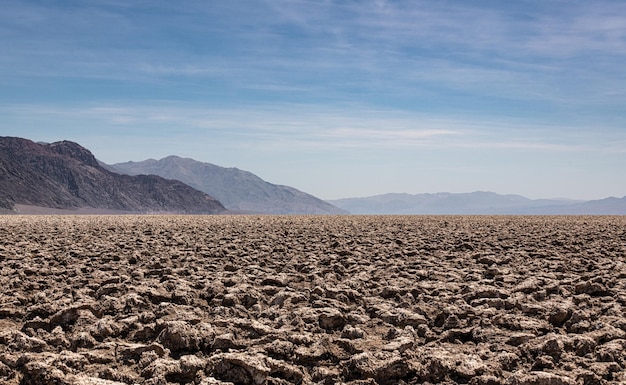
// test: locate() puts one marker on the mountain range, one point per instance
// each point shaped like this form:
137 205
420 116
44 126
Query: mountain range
65 176
61 176
479 202
237 190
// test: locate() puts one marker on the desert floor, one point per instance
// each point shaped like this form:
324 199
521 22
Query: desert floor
293 299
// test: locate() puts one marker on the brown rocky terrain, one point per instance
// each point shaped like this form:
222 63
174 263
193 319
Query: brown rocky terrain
110 300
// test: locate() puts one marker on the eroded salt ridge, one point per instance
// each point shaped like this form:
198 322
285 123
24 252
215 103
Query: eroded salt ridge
305 300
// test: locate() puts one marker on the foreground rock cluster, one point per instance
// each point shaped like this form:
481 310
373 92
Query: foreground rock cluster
312 300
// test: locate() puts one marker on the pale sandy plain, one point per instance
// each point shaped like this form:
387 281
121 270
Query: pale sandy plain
301 300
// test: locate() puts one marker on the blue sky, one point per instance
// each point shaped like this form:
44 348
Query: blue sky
336 98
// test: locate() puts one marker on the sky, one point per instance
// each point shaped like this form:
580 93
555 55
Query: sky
336 98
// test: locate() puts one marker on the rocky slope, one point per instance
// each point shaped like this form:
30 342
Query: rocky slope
64 175
237 189
312 300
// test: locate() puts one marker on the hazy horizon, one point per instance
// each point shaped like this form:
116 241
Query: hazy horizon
337 99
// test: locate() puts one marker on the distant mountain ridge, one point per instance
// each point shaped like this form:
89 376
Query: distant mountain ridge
64 175
238 190
479 202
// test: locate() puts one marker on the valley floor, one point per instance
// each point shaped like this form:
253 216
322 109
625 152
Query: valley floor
205 300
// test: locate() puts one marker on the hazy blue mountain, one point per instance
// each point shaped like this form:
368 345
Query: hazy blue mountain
606 206
238 190
479 202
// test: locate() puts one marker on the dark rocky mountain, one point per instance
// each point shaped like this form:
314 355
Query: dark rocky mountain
64 175
238 190
479 202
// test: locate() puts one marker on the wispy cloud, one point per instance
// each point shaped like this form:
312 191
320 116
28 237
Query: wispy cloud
297 127
336 50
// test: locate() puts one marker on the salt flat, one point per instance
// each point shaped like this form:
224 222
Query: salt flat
312 299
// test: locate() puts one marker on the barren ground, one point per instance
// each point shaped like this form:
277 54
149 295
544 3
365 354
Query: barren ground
109 300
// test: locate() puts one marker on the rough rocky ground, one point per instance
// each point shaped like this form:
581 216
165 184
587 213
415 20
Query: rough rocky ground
280 300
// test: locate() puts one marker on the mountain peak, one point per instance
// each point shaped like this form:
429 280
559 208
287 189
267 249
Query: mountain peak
237 189
75 151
